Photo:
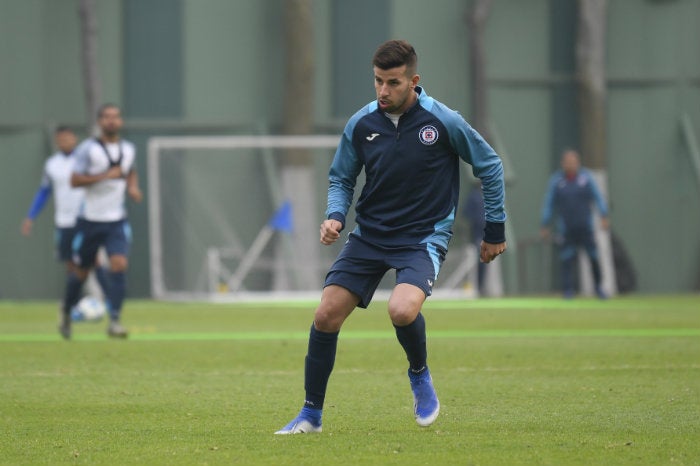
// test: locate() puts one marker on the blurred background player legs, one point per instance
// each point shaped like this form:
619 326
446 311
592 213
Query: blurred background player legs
568 256
116 238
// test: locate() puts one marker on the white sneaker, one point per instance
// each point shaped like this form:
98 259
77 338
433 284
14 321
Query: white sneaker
300 425
64 325
116 330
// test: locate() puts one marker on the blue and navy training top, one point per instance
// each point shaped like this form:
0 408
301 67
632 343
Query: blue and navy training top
412 174
571 200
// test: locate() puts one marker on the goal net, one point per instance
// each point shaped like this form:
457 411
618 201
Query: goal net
237 217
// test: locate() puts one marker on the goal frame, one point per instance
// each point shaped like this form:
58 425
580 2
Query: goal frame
155 148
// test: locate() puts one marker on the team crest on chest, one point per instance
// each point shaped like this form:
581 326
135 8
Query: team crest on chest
428 135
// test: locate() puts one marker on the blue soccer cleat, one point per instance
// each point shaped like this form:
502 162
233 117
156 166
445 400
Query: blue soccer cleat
426 406
307 422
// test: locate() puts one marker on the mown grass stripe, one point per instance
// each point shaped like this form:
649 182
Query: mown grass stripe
366 335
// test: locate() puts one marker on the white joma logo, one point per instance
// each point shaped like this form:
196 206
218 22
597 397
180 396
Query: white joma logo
372 136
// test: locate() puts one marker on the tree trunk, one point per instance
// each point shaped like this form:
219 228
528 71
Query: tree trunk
592 95
590 73
299 76
297 174
91 77
476 21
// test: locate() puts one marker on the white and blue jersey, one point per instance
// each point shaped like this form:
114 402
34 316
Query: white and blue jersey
571 200
105 200
67 199
412 174
103 218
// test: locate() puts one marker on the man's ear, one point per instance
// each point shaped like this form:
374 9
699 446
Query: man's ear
414 80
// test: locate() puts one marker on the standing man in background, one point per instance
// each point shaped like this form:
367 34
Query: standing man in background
56 180
409 146
570 195
105 167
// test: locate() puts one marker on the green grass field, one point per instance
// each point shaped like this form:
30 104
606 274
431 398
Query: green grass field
521 381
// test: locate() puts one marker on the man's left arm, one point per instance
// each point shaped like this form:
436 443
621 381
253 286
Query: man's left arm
488 167
128 166
132 186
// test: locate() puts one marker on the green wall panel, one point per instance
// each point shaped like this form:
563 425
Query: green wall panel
153 58
518 39
62 86
21 62
645 39
439 34
651 186
29 268
352 52
521 117
233 62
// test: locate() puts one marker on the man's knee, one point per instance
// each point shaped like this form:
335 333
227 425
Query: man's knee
405 303
336 305
80 272
70 267
118 263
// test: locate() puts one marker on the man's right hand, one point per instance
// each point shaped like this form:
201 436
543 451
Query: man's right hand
114 173
27 224
330 231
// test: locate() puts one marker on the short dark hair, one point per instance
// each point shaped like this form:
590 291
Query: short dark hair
104 107
568 149
395 53
62 129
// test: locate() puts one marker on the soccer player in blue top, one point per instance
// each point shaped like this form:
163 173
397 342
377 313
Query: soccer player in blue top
410 146
106 167
570 195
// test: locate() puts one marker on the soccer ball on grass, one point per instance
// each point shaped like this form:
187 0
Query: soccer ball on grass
89 309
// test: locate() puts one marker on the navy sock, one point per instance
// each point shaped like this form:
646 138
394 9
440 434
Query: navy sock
74 287
319 362
101 274
117 291
412 338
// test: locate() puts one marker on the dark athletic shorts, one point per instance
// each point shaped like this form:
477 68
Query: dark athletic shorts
63 238
361 265
114 236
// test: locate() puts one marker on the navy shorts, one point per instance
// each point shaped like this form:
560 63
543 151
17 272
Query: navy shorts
63 238
114 236
361 265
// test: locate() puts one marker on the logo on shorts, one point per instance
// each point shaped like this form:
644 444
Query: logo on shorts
428 135
430 283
